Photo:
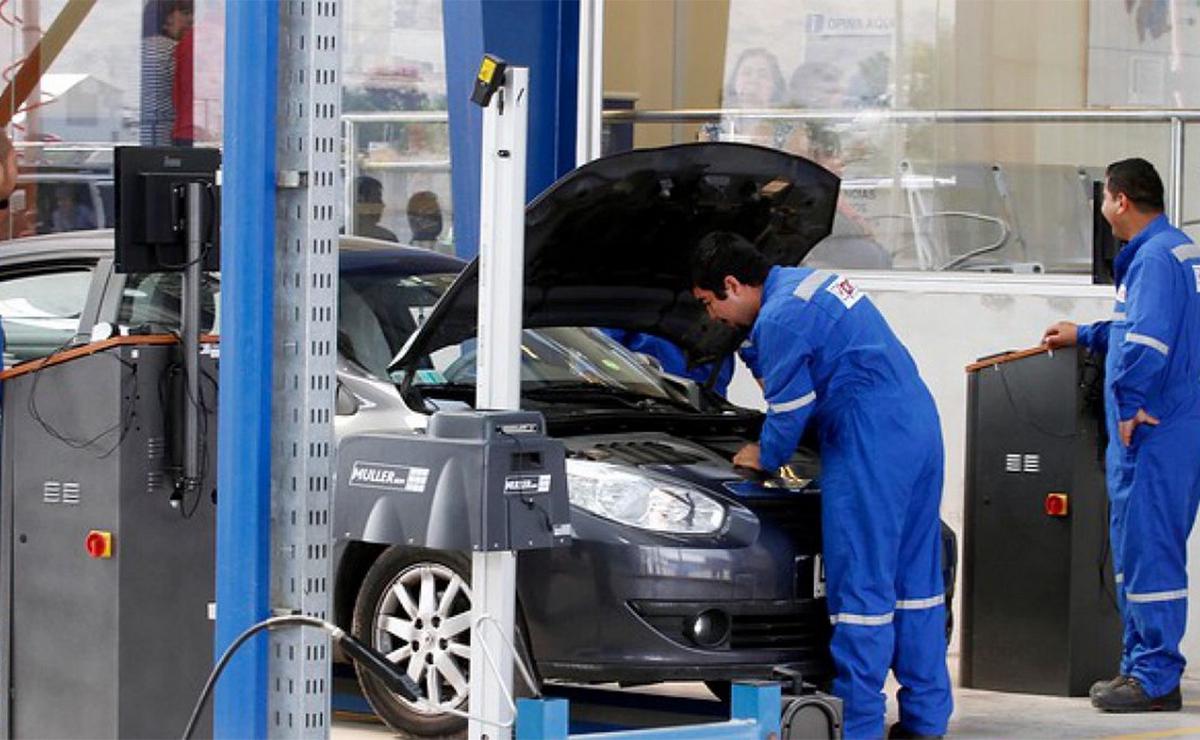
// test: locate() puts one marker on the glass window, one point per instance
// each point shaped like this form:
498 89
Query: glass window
153 300
41 311
822 78
379 309
394 106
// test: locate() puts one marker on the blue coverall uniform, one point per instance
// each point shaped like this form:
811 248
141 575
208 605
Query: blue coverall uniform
825 353
1152 348
673 359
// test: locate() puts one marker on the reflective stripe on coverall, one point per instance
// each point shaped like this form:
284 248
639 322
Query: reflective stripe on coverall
1153 363
825 353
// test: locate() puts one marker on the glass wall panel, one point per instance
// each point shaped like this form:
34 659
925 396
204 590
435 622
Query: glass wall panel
823 78
394 107
151 72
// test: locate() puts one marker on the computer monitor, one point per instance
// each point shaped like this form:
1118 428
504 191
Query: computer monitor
151 207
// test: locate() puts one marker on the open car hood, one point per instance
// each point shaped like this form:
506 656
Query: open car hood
610 243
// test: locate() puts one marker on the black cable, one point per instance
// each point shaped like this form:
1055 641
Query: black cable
393 679
293 620
123 425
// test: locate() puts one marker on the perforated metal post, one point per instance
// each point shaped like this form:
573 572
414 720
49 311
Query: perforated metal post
307 154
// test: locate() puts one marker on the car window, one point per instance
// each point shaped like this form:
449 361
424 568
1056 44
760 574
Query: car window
552 357
65 206
378 310
41 311
153 300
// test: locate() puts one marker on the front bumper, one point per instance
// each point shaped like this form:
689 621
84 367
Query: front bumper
608 609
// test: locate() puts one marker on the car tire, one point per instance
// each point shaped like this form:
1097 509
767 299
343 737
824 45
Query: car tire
430 641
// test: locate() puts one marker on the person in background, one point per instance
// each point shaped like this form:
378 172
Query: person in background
1152 410
425 219
183 132
163 23
368 209
852 244
69 214
756 83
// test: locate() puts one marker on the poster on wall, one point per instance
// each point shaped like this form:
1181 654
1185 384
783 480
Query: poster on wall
1144 53
812 54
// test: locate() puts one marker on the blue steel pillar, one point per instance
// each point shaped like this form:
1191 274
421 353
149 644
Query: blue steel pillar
542 35
244 417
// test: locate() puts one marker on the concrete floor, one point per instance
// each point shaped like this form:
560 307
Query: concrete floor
977 714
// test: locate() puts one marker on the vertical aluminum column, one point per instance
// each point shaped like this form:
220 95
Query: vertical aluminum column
501 281
305 355
590 101
1178 176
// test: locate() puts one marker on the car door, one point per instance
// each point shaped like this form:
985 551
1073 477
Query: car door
46 304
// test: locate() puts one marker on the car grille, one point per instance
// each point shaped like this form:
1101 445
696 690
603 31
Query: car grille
754 625
779 631
642 452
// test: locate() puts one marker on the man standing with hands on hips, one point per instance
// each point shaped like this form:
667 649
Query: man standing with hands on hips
1152 409
825 355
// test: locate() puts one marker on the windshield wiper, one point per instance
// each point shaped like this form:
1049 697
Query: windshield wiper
630 398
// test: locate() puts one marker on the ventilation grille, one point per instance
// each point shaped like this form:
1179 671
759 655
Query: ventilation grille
51 492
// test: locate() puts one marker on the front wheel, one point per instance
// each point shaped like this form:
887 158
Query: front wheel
414 607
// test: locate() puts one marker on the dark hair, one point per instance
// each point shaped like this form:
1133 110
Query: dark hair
1139 181
723 253
155 13
778 86
368 189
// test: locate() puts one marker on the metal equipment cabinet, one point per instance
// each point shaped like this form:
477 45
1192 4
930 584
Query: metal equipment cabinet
103 647
1039 607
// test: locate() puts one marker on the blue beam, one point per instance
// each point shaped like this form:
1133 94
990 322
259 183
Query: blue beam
540 34
244 420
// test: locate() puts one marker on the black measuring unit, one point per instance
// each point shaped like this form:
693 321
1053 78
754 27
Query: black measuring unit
489 79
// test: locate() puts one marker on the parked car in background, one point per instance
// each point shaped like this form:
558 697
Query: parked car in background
56 199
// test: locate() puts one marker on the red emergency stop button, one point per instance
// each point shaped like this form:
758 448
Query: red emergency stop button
1057 504
98 544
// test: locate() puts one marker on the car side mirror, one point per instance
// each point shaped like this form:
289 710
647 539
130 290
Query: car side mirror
345 402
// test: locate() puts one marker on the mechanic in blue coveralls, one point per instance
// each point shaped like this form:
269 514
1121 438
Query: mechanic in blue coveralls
673 360
826 357
1152 405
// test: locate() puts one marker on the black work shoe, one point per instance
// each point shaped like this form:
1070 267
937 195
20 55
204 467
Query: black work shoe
1111 683
1130 696
900 731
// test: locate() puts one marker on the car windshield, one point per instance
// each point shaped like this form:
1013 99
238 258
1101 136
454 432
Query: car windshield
571 359
378 312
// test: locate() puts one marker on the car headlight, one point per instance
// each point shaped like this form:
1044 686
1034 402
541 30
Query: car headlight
637 500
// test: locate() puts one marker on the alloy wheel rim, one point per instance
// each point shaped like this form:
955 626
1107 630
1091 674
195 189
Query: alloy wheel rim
422 624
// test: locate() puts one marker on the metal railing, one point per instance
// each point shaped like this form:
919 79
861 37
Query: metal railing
1177 118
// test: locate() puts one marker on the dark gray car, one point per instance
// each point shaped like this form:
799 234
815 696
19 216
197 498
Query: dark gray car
680 567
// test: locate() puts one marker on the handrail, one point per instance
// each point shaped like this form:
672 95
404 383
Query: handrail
1176 117
705 115
406 116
